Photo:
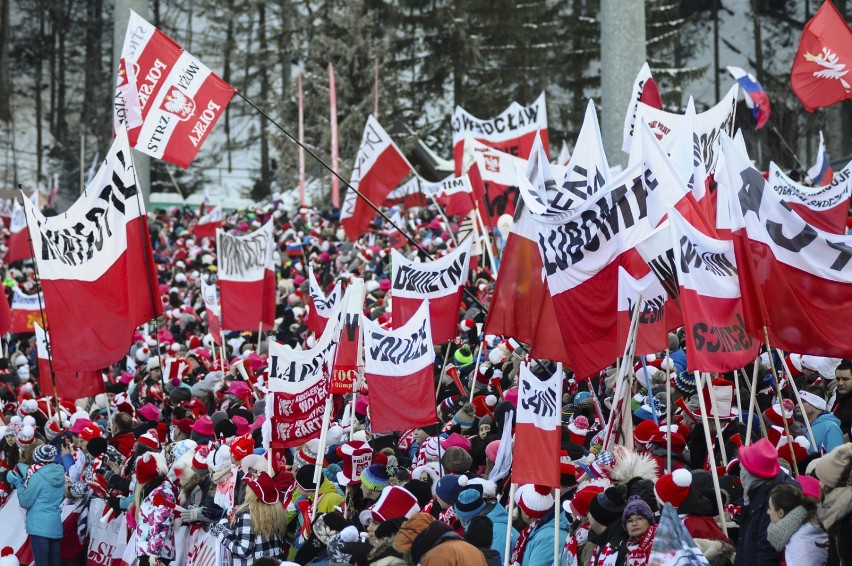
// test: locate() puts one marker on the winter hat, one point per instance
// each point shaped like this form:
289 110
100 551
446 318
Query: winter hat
814 400
225 428
833 468
420 490
456 440
607 506
685 383
456 461
241 447
465 417
579 505
636 506
760 459
219 460
480 532
204 426
674 487
463 356
262 486
44 454
26 436
491 450
355 458
448 488
149 466
534 500
8 558
150 440
199 459
578 429
307 453
394 502
375 477
469 503
774 413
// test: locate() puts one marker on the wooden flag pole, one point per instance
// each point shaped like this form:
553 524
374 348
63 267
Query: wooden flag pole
619 384
798 399
737 391
508 548
795 465
326 420
710 459
259 335
556 508
715 408
668 418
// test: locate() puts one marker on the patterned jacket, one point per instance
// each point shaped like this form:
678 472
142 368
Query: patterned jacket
155 534
245 545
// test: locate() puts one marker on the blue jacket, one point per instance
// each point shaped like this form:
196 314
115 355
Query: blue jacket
539 548
42 498
827 434
500 520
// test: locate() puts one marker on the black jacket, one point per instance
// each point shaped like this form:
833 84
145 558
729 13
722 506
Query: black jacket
753 548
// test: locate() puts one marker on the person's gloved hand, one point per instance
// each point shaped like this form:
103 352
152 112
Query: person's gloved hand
191 515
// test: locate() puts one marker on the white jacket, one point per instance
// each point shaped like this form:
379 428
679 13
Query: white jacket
807 547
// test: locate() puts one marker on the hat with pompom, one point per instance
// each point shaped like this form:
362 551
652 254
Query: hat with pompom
776 416
25 437
534 500
449 487
375 477
674 487
578 429
8 558
149 466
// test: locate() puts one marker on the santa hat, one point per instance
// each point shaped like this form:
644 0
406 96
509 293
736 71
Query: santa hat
150 440
534 500
199 458
645 431
484 405
798 449
8 558
26 436
578 429
263 487
149 466
356 456
395 502
466 324
674 487
774 413
579 505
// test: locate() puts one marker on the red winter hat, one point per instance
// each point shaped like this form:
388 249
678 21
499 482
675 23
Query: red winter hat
535 500
773 413
760 459
356 456
150 440
395 502
645 431
150 466
583 498
90 431
263 487
241 447
199 460
674 487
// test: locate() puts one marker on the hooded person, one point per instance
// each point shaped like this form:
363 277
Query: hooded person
428 542
41 492
155 500
535 545
759 473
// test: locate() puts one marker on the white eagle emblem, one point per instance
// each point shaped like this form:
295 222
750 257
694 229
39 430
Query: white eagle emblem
178 103
832 67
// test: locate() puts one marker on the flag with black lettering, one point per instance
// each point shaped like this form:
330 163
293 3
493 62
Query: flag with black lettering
399 367
588 170
175 100
440 282
645 90
69 384
298 386
379 168
96 267
538 428
654 304
796 279
826 207
247 279
322 305
26 311
716 335
349 357
455 194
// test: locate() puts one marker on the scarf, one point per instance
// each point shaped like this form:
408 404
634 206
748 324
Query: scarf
521 546
836 505
638 552
779 534
749 482
33 469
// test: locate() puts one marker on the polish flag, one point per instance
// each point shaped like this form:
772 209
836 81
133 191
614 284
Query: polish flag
440 282
795 277
348 359
538 432
652 328
69 384
409 194
645 90
26 311
322 306
210 296
455 194
379 168
208 224
96 267
247 279
824 207
19 241
179 97
399 367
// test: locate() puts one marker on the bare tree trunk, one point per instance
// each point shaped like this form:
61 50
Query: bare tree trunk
226 76
92 82
37 79
265 171
5 76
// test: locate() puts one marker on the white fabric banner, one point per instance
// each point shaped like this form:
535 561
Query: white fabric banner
433 279
403 351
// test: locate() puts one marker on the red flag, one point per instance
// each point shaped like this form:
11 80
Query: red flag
795 278
209 223
19 239
379 168
399 367
455 194
247 279
716 335
825 208
513 131
214 312
348 359
409 194
69 384
26 311
652 327
538 432
322 306
440 282
96 267
819 74
180 98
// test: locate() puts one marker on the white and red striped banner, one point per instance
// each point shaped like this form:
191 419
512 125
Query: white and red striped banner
180 98
441 282
68 384
247 279
209 223
26 311
538 429
824 207
652 327
349 356
322 306
18 241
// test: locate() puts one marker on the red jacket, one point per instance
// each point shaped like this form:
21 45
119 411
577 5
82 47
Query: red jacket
123 442
704 527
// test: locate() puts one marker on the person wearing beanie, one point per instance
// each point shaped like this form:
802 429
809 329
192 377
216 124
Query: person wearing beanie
258 526
447 489
759 473
429 542
536 509
638 521
155 500
41 491
606 530
465 418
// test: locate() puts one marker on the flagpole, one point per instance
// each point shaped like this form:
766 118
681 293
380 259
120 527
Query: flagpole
507 548
619 385
487 240
798 398
556 508
752 390
443 371
326 420
668 417
715 408
475 371
710 459
259 335
795 466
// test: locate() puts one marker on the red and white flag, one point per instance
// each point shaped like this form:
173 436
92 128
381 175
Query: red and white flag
247 279
826 207
687 157
69 384
349 358
588 170
210 296
179 97
322 306
96 267
440 282
652 327
208 224
455 194
5 315
409 194
26 311
795 277
379 168
513 131
716 336
646 91
399 367
19 239
538 429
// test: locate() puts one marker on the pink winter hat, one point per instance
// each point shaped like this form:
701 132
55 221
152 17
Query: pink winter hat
511 395
455 439
491 450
